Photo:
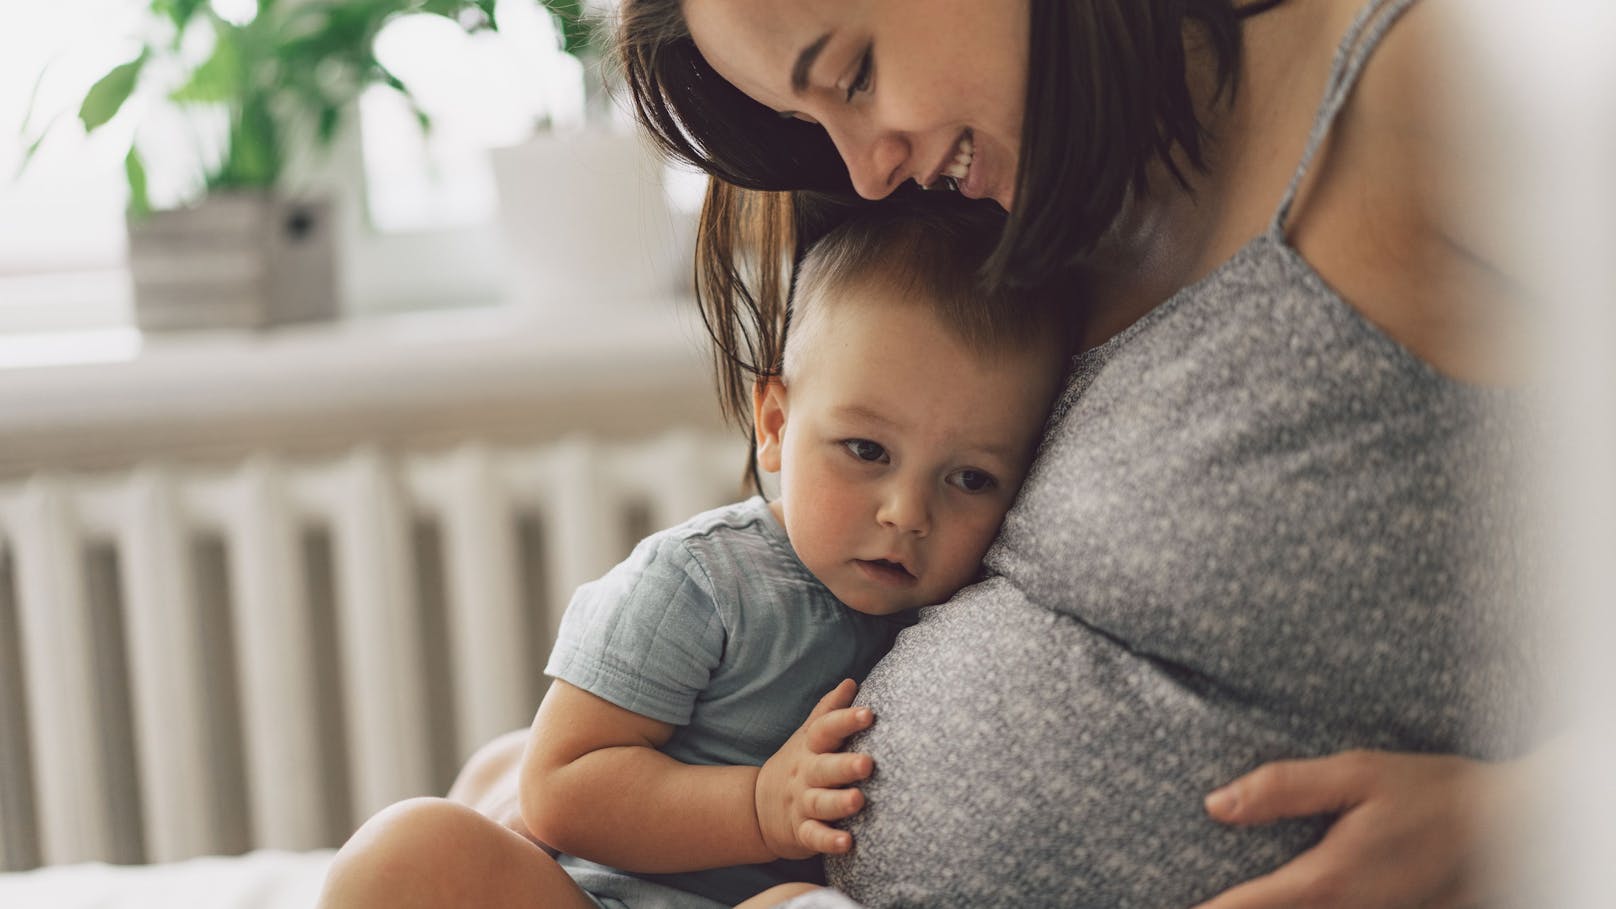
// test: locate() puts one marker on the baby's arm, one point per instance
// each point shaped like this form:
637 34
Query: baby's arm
593 784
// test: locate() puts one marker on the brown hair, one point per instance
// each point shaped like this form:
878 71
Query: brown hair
925 250
1107 96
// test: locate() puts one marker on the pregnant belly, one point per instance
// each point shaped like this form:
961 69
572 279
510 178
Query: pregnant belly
1023 758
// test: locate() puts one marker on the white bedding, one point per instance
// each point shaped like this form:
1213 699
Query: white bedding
259 880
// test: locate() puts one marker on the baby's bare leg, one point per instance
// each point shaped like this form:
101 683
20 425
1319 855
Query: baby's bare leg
776 895
490 783
427 853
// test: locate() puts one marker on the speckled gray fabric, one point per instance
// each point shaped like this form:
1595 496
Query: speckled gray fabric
1258 528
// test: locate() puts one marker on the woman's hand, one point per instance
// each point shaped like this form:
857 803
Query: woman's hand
808 781
1410 830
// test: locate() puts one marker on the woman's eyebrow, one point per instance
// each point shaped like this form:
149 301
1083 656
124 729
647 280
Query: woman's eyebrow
805 62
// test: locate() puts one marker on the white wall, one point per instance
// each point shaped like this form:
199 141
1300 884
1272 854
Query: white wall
1545 73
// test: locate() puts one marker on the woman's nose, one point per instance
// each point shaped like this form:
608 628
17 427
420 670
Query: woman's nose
875 159
905 508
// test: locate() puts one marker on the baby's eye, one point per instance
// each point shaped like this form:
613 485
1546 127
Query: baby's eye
865 450
972 480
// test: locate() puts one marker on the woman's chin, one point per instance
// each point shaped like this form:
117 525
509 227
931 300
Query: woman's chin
985 178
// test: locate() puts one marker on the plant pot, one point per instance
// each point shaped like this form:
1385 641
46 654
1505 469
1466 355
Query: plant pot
236 260
585 220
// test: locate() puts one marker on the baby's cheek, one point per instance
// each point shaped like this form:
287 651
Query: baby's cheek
965 557
987 530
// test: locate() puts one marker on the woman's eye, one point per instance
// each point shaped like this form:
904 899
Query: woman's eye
865 450
861 78
973 480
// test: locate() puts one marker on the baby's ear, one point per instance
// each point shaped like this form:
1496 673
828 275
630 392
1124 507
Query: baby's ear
769 420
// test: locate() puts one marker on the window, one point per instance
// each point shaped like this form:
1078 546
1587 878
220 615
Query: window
61 224
421 229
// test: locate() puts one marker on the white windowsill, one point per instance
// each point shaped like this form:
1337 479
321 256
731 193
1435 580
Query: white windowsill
449 374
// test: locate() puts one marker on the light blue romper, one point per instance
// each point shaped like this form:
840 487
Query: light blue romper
716 627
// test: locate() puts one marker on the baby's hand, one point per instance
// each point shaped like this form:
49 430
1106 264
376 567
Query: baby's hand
801 787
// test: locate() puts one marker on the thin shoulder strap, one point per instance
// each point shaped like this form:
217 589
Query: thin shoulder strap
1351 56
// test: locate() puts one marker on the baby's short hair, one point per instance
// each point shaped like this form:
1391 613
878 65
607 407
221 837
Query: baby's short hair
929 250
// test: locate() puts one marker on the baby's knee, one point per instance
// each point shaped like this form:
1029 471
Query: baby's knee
402 850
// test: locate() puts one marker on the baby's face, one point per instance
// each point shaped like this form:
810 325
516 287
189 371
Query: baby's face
899 452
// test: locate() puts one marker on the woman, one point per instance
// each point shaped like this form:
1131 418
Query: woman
1263 526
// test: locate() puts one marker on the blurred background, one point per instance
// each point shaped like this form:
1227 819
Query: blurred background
398 114
339 342
340 339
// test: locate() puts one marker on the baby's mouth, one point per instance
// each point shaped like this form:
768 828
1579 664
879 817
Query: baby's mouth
886 571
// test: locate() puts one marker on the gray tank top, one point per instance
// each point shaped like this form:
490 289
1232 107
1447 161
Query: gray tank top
1258 528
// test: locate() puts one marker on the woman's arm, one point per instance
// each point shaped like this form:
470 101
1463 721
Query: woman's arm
593 784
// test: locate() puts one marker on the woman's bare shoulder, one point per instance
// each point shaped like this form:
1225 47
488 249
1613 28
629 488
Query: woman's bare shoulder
1389 216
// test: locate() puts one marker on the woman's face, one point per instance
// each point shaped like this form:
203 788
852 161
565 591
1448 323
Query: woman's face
907 89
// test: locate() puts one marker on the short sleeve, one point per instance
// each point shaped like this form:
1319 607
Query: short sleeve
647 636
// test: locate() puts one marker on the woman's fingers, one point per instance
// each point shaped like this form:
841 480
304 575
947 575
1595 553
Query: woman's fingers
822 837
832 804
1345 871
827 733
829 771
1284 789
1304 882
1406 834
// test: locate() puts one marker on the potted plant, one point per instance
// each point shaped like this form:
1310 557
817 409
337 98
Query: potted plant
277 84
583 212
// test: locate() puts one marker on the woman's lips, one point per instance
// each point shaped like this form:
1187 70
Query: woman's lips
957 167
959 162
966 172
974 185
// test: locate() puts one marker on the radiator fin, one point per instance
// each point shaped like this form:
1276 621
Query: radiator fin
211 658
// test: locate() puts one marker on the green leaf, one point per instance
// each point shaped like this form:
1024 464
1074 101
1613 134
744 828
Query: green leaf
218 79
178 11
33 149
577 29
474 15
33 97
255 153
134 169
108 94
329 118
28 121
446 8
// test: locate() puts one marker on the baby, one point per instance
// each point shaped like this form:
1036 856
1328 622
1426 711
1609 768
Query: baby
902 423
671 764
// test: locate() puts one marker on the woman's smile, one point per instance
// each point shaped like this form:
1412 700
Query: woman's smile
883 80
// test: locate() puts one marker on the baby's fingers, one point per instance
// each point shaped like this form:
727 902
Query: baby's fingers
828 732
819 837
834 699
831 804
830 771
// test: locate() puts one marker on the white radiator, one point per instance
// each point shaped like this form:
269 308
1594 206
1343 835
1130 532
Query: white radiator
207 660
